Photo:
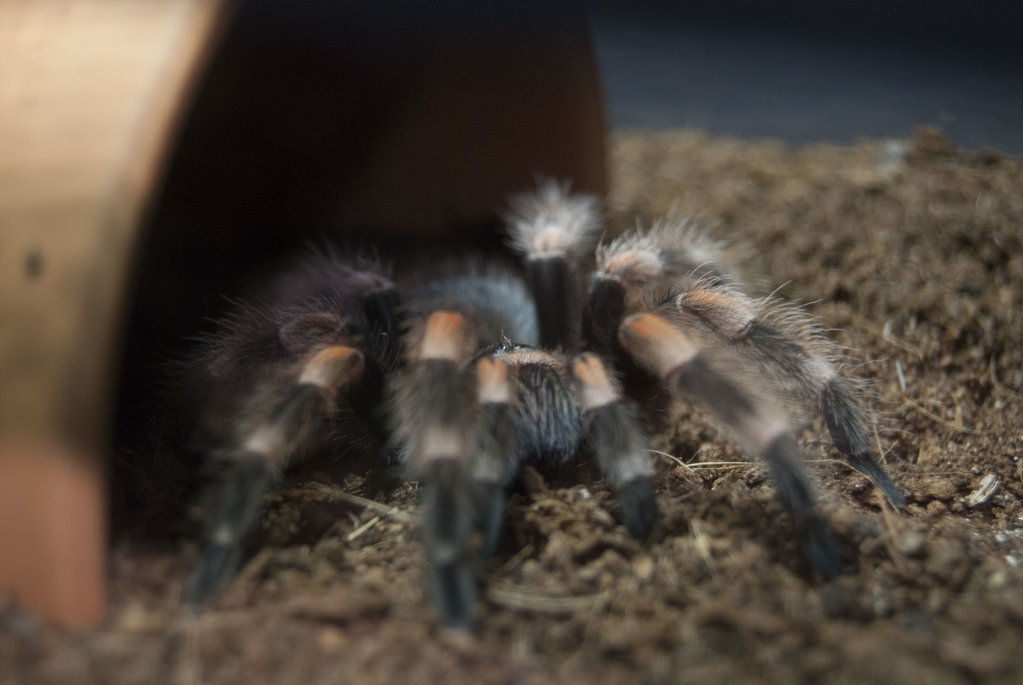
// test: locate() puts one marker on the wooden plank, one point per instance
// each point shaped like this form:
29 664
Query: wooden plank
90 91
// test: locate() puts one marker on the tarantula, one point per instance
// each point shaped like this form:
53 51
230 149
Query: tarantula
469 370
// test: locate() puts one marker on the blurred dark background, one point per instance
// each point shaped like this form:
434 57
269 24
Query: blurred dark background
804 71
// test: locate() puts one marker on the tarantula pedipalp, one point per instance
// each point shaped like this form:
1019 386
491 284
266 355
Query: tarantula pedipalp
472 370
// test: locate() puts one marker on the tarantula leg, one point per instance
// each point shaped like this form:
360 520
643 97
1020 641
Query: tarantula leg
239 504
498 450
432 416
549 276
602 314
294 423
851 436
553 230
446 509
802 364
618 442
635 265
812 531
666 351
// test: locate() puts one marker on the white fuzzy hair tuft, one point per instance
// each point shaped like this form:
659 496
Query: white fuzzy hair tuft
672 249
552 222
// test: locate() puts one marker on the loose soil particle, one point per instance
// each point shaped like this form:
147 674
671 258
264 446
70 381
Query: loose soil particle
909 252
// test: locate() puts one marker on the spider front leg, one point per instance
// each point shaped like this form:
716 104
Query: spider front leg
667 352
293 426
498 449
618 442
276 382
432 413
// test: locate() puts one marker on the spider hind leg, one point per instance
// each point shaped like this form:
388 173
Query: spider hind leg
794 354
850 434
665 350
498 450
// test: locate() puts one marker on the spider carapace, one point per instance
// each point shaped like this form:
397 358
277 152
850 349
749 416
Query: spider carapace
470 369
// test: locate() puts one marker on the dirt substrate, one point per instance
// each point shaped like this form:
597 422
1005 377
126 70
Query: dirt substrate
910 251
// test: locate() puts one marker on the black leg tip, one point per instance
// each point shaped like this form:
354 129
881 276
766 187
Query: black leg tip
454 594
216 565
490 516
896 498
639 507
869 466
820 548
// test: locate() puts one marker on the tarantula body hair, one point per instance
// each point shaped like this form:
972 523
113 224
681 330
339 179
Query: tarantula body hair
468 370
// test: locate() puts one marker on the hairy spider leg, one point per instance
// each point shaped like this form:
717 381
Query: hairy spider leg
666 351
466 444
554 230
291 427
603 311
781 342
493 308
554 415
432 415
672 251
618 442
498 449
796 355
276 381
548 277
